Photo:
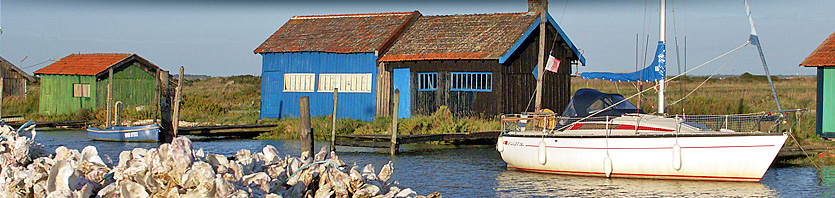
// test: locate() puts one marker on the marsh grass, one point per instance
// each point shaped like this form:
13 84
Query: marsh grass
441 121
222 100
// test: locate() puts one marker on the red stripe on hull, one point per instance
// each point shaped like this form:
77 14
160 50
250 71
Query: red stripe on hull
635 175
576 126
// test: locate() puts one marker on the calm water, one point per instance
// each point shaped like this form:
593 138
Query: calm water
478 171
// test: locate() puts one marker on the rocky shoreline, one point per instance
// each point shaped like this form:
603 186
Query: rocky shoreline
177 170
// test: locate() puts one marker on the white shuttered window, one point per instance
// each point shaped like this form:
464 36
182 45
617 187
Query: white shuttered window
357 83
299 82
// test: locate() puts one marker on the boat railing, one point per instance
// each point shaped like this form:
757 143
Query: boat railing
768 121
531 121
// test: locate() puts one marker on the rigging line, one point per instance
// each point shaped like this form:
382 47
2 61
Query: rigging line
530 100
711 60
641 73
41 63
586 31
683 85
711 76
675 38
563 10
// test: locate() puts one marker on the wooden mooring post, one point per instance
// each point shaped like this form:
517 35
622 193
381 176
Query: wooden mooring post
305 132
178 95
109 97
395 107
167 133
333 128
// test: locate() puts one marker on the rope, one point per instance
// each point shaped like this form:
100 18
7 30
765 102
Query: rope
810 158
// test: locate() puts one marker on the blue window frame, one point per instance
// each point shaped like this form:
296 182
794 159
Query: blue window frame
427 81
471 81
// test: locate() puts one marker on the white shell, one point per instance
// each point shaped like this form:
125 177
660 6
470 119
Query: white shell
59 176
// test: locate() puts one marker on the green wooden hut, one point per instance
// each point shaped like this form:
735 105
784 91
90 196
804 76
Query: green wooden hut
79 81
823 59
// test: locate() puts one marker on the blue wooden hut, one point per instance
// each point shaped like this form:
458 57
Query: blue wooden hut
311 55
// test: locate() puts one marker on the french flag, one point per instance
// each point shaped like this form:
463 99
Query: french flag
553 64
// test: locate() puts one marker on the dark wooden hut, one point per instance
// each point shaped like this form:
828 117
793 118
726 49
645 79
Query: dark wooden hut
481 64
14 79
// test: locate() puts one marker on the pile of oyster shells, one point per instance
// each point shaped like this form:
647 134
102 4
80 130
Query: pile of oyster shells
176 170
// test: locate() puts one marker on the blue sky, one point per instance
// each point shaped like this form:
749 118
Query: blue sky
217 37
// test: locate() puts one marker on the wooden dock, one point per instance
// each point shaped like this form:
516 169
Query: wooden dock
246 131
384 141
64 124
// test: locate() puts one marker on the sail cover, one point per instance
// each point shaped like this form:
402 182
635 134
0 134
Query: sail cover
654 72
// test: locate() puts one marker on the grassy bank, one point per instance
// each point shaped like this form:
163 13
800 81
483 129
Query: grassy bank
441 121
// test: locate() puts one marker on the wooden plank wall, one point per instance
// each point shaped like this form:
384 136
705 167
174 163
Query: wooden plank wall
57 94
383 97
460 103
14 83
520 83
131 85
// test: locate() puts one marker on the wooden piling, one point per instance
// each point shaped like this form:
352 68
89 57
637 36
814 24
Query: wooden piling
109 97
305 132
156 96
167 133
395 108
333 128
2 79
177 97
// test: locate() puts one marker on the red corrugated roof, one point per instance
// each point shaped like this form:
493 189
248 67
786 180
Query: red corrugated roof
345 33
83 64
824 56
479 36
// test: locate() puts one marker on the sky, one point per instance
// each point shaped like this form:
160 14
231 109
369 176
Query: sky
217 37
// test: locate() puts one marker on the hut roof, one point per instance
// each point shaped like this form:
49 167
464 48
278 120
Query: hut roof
91 64
478 36
824 56
18 70
346 33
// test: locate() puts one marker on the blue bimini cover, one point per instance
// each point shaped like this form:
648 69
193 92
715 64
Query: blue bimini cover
654 72
586 102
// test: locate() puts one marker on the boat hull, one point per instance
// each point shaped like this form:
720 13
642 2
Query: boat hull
692 157
145 133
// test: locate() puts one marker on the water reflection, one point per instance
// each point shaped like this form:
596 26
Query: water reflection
526 184
827 176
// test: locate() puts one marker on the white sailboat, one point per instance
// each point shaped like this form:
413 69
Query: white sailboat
602 134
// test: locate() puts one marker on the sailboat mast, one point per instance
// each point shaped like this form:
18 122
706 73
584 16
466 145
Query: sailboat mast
661 41
543 13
